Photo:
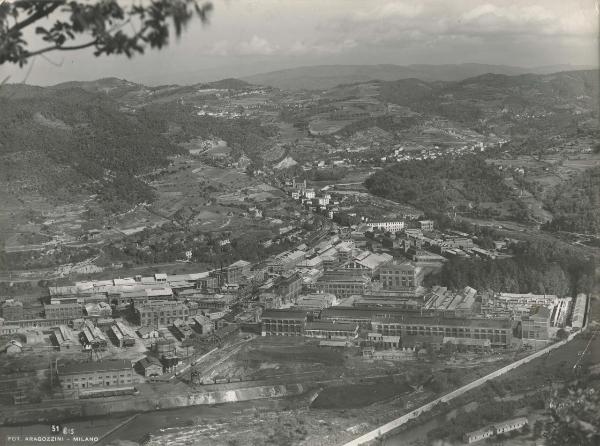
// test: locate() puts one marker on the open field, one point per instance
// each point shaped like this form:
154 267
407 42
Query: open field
358 395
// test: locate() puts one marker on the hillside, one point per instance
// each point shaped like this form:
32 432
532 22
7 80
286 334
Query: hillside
503 104
441 184
82 132
322 77
111 86
576 203
98 137
229 83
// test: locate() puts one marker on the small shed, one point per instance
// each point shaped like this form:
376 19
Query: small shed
150 366
148 333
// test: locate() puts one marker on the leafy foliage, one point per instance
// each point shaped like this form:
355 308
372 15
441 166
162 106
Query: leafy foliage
182 124
490 100
105 147
101 24
535 267
432 185
576 204
574 417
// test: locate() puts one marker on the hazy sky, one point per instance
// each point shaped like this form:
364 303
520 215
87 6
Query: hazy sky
249 36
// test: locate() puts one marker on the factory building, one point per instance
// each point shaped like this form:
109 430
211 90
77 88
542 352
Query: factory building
341 284
401 276
161 313
498 331
90 376
535 328
283 322
578 315
331 330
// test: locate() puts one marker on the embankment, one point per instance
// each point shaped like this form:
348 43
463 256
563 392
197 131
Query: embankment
69 410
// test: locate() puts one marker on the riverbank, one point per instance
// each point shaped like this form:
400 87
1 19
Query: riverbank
57 412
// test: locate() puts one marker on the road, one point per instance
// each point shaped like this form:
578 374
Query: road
394 424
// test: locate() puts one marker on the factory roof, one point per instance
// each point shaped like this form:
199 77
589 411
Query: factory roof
101 366
331 326
284 314
410 319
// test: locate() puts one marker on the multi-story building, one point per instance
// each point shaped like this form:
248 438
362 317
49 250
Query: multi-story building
288 287
535 328
213 301
426 225
285 261
331 330
12 310
390 299
366 263
93 376
283 322
63 311
203 324
309 194
498 331
210 283
316 302
233 273
269 300
388 226
401 276
161 313
350 314
342 284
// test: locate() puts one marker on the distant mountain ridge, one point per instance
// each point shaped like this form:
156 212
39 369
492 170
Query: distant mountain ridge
321 77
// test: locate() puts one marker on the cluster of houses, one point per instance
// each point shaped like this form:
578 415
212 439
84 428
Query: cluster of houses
503 427
315 200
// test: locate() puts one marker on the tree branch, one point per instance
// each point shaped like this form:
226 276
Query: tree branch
39 14
63 48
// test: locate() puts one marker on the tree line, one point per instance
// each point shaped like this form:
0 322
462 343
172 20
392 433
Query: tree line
536 267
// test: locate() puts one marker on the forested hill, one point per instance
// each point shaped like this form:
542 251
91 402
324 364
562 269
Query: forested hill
438 184
576 203
84 137
500 99
86 133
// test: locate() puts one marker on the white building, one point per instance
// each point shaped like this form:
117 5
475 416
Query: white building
578 315
388 226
